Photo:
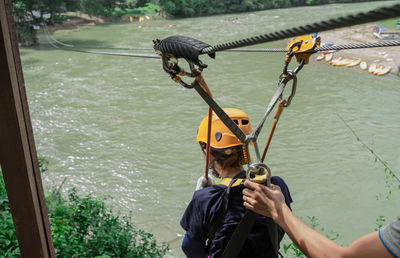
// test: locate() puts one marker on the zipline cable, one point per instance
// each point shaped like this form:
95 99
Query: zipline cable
390 43
356 19
114 53
49 36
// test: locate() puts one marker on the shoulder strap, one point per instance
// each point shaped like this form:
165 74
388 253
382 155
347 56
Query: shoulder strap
236 242
229 181
221 215
241 232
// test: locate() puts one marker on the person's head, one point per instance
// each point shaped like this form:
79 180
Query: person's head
226 149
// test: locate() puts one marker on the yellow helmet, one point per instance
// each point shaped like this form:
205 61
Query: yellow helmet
221 136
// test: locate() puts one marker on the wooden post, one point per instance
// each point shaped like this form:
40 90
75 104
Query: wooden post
18 158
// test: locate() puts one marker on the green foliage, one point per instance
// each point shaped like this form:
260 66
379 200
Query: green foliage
83 226
292 249
390 23
380 222
98 7
87 227
192 8
8 238
148 9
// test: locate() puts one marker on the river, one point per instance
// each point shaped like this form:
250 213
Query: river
119 128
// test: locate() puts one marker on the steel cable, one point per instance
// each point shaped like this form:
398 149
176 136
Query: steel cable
360 18
389 43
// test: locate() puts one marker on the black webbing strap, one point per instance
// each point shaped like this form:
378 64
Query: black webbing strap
221 215
241 232
220 113
273 234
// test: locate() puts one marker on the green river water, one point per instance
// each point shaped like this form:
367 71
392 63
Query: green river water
119 128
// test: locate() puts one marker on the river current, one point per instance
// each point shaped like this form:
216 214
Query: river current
119 128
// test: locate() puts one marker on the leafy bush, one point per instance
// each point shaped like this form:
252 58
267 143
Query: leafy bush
147 9
8 238
191 8
83 226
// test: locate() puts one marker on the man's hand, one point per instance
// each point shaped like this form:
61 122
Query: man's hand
267 201
202 182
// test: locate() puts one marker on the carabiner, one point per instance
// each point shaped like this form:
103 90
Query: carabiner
290 54
285 78
259 169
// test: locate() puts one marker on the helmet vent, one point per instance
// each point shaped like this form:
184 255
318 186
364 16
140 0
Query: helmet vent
236 121
245 122
218 136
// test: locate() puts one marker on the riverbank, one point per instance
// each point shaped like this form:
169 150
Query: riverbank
81 19
385 56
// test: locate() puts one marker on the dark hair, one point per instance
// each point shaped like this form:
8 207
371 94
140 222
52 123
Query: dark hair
227 157
228 160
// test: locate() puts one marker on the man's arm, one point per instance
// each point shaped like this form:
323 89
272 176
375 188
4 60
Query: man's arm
270 202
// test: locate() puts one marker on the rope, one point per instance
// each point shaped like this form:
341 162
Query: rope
360 18
208 146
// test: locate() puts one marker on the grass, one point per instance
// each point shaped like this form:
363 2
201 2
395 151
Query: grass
390 23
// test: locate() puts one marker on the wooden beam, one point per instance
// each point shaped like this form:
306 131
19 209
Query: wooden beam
18 158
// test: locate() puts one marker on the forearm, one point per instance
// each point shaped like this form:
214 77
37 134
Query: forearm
309 241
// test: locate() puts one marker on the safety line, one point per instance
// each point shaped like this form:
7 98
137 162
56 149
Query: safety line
350 20
154 56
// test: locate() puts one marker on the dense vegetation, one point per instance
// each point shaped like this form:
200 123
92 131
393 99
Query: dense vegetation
81 226
192 8
30 15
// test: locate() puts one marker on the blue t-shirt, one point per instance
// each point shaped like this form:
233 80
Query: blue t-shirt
202 212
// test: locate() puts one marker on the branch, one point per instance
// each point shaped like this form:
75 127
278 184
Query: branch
384 163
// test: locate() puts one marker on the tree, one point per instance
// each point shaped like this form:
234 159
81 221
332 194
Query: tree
98 7
28 16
